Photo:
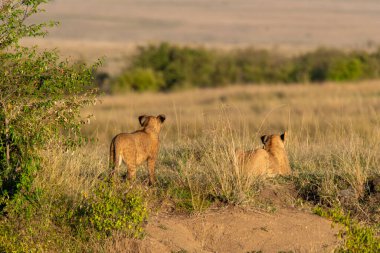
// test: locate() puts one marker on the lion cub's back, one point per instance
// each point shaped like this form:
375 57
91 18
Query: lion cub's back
255 162
136 144
137 139
124 141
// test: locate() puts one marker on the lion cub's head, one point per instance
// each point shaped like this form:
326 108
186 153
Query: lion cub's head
273 141
152 123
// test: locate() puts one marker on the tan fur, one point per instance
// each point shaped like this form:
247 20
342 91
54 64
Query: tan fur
271 160
135 148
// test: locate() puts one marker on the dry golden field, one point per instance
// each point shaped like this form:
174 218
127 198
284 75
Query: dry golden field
333 128
321 120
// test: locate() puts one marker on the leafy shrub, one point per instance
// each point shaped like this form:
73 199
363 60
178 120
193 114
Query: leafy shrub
329 65
33 223
179 66
45 221
258 66
345 69
138 79
111 208
313 66
40 102
176 67
357 237
40 99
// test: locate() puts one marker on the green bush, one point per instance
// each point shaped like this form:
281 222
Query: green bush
258 66
34 223
175 67
313 66
111 208
40 99
179 66
345 69
356 237
330 65
46 221
138 79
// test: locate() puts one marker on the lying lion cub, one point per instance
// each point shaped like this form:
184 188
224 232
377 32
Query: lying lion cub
270 160
137 147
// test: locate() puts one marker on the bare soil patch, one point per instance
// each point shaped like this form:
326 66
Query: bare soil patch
238 229
235 230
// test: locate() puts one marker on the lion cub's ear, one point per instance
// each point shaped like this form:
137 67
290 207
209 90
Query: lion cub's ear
264 139
283 136
143 119
161 117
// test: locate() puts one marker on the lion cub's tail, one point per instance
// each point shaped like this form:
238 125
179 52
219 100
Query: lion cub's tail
112 154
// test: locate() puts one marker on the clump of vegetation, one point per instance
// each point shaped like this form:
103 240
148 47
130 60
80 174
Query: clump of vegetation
356 237
34 223
170 67
52 221
41 98
112 208
204 172
342 178
138 79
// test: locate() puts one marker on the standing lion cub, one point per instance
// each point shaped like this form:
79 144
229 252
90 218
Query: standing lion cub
270 160
135 148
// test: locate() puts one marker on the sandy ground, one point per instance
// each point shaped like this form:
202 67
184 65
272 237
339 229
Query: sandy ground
235 230
94 28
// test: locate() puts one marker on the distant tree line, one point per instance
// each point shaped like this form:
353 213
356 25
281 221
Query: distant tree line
165 67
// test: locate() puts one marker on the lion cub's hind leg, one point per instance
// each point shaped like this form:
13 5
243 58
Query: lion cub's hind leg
151 166
130 161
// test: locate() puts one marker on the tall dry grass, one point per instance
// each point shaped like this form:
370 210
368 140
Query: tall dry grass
333 140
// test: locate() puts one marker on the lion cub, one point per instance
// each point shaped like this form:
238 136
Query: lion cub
270 160
137 147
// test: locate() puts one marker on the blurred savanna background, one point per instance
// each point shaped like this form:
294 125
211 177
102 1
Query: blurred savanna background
224 73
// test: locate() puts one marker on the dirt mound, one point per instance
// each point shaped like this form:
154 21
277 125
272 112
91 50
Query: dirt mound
235 230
